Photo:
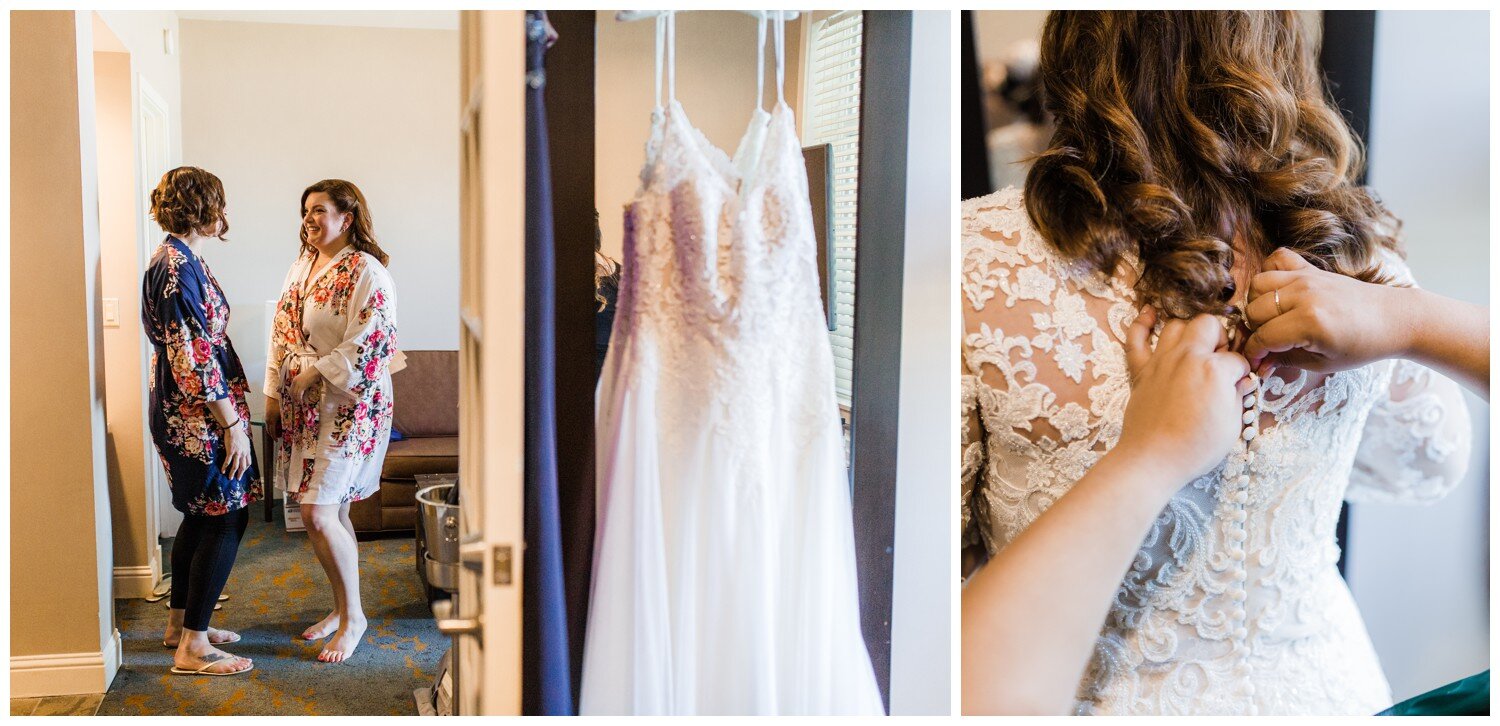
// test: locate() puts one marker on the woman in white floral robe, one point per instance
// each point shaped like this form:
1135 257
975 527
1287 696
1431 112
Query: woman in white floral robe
343 323
328 384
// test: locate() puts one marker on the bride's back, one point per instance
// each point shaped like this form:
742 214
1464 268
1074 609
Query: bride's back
1231 587
1178 164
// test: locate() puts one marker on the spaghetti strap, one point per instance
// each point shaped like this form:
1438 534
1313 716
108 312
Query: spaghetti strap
760 61
747 154
780 56
661 24
671 56
666 40
658 111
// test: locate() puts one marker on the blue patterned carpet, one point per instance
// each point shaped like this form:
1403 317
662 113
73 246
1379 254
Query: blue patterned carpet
276 590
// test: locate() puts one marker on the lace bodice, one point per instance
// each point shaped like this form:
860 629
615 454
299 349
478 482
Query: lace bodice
1233 604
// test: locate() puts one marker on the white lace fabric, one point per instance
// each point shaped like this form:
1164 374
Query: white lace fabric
724 571
1234 604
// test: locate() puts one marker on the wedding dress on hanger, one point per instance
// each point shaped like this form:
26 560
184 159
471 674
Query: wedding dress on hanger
724 569
1234 604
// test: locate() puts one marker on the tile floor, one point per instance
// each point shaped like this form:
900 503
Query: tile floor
87 705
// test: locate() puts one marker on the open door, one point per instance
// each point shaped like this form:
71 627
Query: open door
485 618
156 159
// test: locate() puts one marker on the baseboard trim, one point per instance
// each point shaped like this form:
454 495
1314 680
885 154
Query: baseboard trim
66 674
137 581
114 658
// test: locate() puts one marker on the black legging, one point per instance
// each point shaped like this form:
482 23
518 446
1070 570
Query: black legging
202 556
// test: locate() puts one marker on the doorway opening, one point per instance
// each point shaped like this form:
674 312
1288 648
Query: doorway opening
229 92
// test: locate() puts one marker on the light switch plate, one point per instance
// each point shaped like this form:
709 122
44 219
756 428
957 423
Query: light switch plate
111 312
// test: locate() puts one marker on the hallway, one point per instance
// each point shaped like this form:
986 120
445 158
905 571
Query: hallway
275 591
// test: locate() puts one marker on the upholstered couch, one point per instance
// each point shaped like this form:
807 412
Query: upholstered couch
426 416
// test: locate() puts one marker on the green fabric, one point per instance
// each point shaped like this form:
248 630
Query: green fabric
1468 697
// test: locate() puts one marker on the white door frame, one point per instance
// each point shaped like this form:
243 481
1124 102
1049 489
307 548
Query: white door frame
486 618
154 149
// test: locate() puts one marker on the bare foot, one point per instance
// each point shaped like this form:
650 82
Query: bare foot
323 629
215 636
343 644
221 663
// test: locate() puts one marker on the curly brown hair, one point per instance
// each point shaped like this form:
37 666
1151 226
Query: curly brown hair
349 200
1179 133
189 200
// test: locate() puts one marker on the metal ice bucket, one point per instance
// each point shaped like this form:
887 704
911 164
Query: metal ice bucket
439 531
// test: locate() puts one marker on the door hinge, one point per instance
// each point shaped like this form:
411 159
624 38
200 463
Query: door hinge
503 565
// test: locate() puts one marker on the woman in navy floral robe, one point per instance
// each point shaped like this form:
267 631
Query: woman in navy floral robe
199 418
193 364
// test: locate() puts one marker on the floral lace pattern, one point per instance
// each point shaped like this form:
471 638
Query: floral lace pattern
1233 604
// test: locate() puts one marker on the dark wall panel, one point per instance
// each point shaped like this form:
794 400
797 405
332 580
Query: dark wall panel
880 252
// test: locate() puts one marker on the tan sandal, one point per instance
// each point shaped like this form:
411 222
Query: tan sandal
211 641
210 662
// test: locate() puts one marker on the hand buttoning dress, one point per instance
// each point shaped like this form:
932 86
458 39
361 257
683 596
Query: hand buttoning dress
1234 604
724 577
343 321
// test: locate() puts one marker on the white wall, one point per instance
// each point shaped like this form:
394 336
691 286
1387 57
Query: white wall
921 620
272 108
715 84
430 19
1420 574
141 33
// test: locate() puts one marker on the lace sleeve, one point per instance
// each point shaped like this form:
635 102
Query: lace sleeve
1043 374
1415 447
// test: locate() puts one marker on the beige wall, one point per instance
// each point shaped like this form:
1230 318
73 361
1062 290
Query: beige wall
140 32
153 68
715 84
61 616
137 560
272 108
995 31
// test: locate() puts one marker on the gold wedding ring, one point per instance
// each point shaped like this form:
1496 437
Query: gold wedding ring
1276 298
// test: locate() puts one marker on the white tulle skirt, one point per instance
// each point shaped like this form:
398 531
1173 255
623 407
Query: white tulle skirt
724 575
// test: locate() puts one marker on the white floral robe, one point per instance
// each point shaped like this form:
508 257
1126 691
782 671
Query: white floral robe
333 440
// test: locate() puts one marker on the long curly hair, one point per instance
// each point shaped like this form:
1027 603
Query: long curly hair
350 200
1181 133
190 200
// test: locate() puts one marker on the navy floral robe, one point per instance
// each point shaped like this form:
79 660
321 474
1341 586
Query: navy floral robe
192 362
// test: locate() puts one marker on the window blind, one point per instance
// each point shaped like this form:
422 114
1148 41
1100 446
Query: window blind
833 118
